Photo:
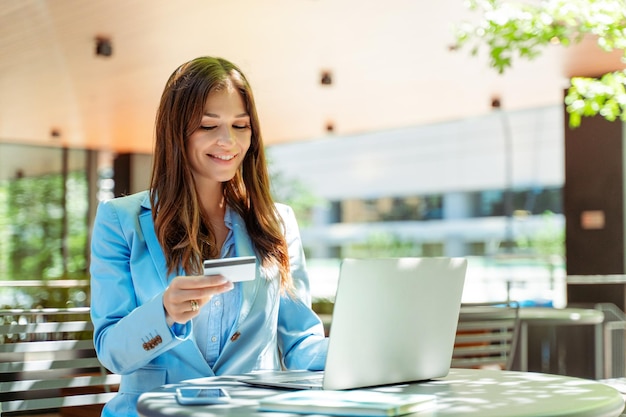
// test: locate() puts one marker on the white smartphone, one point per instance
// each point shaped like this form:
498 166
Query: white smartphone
241 268
201 395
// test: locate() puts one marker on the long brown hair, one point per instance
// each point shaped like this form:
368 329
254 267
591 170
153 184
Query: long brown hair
175 207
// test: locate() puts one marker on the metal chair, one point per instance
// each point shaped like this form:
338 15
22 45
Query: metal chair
486 335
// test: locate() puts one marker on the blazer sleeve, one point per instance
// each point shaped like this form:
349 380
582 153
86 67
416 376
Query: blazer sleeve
300 330
126 303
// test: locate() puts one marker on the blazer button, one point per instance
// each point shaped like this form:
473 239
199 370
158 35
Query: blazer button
235 336
152 343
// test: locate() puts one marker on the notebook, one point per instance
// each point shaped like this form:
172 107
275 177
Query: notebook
394 321
358 403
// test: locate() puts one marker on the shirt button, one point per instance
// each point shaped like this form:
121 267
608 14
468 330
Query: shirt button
214 339
217 303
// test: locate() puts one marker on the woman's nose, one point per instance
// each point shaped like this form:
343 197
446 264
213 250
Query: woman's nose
226 137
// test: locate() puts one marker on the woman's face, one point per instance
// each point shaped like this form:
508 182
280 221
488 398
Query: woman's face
217 148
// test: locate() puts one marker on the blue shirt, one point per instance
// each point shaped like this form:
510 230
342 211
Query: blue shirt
216 321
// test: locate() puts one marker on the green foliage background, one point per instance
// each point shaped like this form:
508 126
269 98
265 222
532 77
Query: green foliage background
33 215
511 30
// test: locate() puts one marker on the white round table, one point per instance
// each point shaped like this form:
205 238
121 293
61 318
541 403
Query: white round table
464 392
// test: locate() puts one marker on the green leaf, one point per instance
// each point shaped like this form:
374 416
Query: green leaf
508 29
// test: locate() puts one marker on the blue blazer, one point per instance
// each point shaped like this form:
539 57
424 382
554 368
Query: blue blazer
132 338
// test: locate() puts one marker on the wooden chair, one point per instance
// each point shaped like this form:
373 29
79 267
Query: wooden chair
486 335
48 362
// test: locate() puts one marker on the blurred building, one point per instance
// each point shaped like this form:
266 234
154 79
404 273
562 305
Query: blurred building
467 187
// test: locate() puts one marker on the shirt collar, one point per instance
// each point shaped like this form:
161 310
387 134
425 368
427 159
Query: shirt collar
228 217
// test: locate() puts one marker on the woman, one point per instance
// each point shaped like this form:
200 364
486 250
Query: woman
157 318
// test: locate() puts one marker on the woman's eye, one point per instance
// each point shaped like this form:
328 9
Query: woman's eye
241 127
208 127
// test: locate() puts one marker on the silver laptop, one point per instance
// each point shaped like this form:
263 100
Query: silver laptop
394 321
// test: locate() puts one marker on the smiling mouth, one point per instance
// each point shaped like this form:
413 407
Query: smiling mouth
223 157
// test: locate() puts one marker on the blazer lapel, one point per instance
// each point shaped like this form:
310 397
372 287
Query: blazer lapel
152 243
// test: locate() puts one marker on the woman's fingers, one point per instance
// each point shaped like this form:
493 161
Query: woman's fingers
186 295
198 281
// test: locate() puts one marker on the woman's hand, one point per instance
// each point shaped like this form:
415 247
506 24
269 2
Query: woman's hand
186 295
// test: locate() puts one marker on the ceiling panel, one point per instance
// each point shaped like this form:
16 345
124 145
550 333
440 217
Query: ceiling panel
390 62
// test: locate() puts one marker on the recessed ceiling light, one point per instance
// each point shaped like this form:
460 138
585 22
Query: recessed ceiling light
326 78
103 46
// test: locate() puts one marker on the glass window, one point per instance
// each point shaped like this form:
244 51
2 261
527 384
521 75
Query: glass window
386 209
44 203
